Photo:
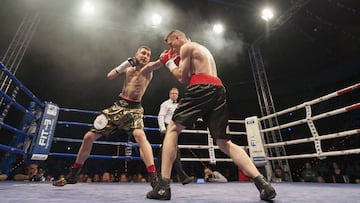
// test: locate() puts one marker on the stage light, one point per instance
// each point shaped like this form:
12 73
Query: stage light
267 14
218 28
156 19
88 8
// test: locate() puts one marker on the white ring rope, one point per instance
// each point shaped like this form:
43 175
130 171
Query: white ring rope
206 159
333 153
237 121
314 118
206 132
315 101
316 138
310 139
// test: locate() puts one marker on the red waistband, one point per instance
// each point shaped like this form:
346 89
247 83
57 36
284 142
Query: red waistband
204 79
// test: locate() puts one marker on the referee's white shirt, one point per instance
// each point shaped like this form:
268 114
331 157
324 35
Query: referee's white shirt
166 112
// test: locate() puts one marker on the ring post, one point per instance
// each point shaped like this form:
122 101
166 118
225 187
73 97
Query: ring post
256 147
42 142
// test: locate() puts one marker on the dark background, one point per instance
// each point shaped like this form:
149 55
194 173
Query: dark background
315 53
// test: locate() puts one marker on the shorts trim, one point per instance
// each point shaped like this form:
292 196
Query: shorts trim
205 79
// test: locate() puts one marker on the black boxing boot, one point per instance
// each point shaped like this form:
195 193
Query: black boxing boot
71 178
153 179
267 192
161 191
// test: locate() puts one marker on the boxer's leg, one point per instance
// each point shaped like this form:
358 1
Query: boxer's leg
83 154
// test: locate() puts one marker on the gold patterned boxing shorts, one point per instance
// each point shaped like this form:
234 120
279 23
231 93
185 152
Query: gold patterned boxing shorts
123 114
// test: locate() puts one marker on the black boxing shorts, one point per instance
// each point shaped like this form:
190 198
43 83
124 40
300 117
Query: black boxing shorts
206 101
123 114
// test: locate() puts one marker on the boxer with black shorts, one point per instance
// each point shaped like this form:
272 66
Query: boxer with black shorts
126 114
205 97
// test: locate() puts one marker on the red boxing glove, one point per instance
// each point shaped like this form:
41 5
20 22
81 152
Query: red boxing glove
177 60
166 55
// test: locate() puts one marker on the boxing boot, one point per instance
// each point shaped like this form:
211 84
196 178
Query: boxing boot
71 178
153 179
161 191
267 192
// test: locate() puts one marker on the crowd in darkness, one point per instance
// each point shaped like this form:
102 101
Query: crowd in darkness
332 170
338 170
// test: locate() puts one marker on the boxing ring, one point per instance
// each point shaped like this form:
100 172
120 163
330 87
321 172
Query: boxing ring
37 132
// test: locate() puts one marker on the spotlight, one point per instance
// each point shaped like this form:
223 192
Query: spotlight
88 8
218 28
267 14
156 19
